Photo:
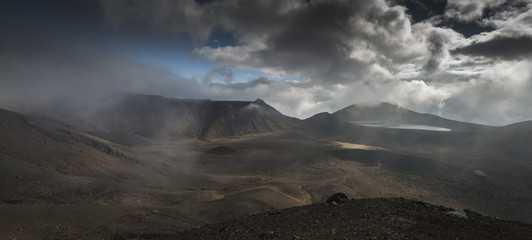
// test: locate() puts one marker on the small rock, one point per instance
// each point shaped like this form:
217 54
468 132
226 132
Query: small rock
457 213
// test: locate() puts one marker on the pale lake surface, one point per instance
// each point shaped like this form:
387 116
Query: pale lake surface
406 126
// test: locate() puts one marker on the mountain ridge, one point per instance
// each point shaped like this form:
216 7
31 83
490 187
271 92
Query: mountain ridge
152 116
205 118
387 113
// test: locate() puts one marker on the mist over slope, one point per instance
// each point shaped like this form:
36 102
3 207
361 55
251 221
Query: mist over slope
158 117
145 163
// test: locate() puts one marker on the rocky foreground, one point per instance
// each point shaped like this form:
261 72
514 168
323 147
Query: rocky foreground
359 219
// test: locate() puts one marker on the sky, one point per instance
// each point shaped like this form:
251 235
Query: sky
469 60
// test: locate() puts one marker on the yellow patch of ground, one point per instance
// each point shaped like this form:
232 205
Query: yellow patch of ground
346 145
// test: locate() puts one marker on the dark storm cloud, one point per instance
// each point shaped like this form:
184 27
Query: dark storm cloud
250 84
341 52
307 39
507 48
473 17
445 15
436 45
351 50
38 78
314 37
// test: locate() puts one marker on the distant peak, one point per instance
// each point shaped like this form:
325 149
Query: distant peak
260 101
376 104
388 104
370 105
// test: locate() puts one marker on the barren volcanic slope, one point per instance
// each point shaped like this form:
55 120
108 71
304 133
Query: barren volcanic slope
158 117
152 166
362 219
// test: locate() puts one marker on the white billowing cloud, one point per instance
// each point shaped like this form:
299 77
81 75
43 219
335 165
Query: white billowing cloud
500 95
359 51
516 22
303 100
416 94
468 10
45 78
309 40
346 52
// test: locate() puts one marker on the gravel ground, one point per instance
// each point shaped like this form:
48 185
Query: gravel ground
360 219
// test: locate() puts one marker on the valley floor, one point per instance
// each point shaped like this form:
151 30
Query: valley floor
170 186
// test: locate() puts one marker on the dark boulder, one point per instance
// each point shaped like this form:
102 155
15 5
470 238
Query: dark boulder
337 198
